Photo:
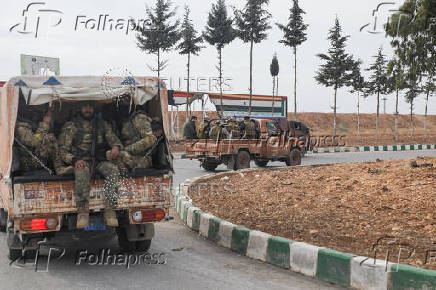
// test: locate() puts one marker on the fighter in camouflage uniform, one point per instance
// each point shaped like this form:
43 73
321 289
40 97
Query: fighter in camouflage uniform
203 129
233 129
137 136
76 142
40 142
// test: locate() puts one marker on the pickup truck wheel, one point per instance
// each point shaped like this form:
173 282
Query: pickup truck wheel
294 158
261 163
15 254
125 245
209 165
3 220
242 160
143 246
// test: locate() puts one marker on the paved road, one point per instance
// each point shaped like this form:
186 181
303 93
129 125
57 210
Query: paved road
192 262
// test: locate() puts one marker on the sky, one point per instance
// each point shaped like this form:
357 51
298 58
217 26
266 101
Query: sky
86 51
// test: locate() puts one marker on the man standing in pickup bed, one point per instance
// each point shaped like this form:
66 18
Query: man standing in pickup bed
83 143
190 130
41 142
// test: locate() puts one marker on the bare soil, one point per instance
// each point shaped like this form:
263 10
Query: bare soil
354 208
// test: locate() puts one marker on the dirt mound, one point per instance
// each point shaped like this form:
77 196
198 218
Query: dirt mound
354 208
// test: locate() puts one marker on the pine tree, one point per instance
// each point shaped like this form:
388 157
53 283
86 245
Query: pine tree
378 82
274 70
337 70
190 45
252 24
159 34
219 32
294 34
357 85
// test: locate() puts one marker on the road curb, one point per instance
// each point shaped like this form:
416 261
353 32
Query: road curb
344 269
384 148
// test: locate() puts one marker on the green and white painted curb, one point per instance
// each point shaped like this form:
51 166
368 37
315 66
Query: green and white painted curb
384 148
329 265
374 148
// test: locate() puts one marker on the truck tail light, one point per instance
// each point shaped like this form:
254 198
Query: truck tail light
148 215
39 224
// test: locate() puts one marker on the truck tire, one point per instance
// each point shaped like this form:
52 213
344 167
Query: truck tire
242 160
3 220
209 165
143 246
294 158
124 244
261 163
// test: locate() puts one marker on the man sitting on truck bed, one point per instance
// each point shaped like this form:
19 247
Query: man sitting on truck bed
83 143
138 138
38 150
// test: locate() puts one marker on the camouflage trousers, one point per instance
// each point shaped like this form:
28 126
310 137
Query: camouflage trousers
126 161
47 152
111 175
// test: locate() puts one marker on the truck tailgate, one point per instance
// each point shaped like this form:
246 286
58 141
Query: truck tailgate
57 197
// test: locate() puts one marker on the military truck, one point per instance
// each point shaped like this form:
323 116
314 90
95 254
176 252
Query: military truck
271 144
38 205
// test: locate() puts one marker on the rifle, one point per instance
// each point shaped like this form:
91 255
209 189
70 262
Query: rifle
151 149
34 156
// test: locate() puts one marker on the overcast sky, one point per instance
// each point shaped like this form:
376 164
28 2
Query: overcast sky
91 52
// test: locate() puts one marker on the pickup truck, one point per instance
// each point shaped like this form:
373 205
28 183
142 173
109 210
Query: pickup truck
37 206
272 144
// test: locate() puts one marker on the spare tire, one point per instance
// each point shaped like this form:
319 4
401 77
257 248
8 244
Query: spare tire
294 157
243 159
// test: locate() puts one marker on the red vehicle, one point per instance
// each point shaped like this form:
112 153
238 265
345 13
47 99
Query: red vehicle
273 144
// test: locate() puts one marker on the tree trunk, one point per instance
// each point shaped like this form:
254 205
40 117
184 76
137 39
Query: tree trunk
221 79
358 114
158 72
251 77
295 82
425 114
334 114
187 85
273 94
396 115
411 119
378 114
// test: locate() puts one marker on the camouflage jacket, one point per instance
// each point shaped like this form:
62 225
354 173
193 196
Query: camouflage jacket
136 134
250 130
30 139
76 138
233 129
203 130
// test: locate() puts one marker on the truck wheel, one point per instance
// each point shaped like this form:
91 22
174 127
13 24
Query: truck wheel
143 246
242 160
3 220
209 165
294 158
261 163
15 254
125 245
